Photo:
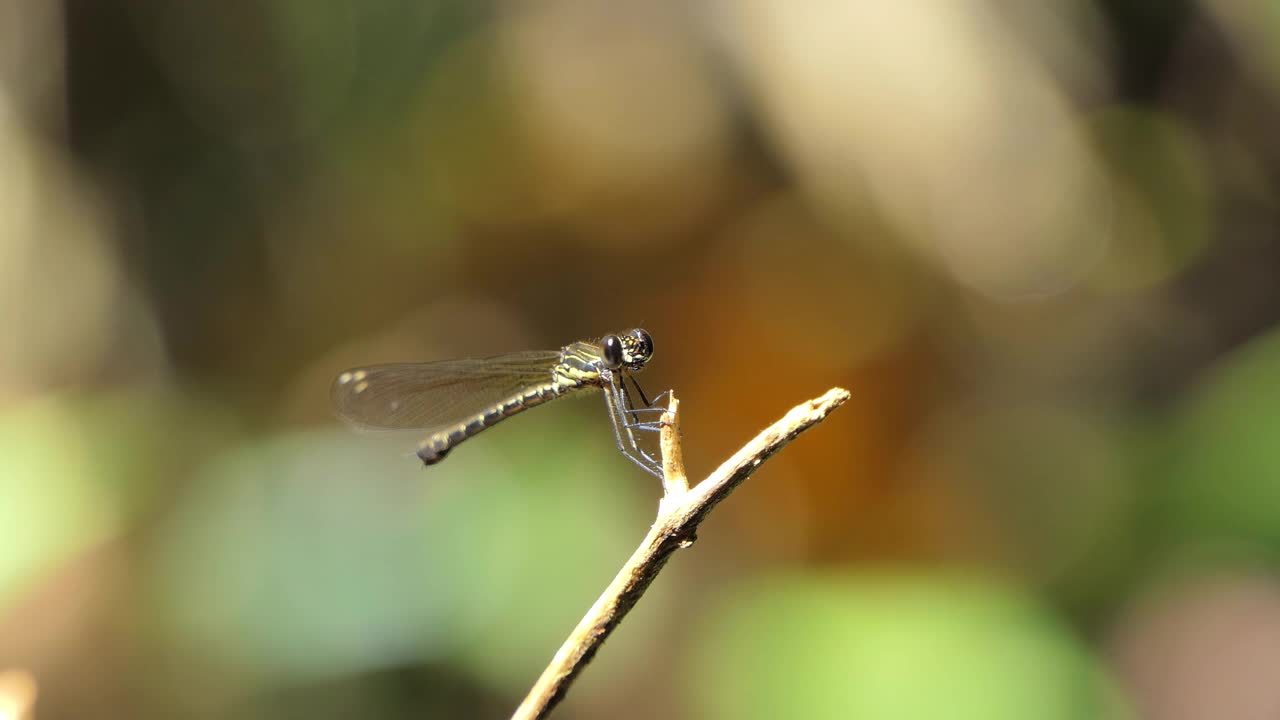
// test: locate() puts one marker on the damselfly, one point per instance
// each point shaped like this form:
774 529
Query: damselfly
456 399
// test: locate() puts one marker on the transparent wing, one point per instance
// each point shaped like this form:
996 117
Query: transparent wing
427 395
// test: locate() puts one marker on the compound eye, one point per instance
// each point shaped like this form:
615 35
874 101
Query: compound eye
645 341
612 346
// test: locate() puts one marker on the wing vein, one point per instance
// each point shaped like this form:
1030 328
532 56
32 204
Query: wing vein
429 395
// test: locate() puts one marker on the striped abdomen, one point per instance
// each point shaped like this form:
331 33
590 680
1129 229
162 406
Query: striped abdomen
436 446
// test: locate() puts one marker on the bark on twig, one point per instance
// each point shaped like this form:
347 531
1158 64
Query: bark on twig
680 512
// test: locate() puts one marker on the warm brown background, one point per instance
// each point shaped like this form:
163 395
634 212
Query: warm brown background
1038 242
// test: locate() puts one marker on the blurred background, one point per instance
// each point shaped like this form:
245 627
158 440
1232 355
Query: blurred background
1038 242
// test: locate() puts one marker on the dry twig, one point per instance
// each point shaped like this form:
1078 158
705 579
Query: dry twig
680 512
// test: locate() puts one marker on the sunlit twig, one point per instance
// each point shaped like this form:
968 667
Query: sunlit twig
680 512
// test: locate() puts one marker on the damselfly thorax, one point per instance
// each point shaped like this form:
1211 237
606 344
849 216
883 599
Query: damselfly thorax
454 400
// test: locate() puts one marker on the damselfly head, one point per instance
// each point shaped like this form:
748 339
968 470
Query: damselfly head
637 348
630 350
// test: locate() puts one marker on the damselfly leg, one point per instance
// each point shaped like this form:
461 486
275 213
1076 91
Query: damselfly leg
617 402
636 423
650 406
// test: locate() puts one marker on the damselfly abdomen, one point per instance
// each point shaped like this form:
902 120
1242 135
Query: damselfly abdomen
453 400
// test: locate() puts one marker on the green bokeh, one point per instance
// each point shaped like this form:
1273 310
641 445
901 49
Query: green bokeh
75 470
52 501
1161 205
1220 485
323 553
906 647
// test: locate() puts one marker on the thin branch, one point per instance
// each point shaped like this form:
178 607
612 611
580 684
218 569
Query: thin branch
680 512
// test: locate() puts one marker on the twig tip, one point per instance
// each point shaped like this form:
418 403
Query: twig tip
835 397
